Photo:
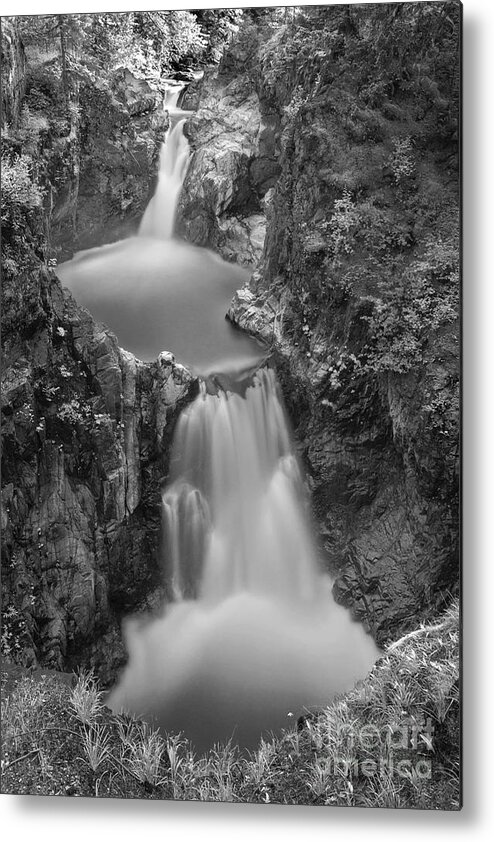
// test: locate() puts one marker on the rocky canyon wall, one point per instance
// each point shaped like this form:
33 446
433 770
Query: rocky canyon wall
361 315
86 427
86 435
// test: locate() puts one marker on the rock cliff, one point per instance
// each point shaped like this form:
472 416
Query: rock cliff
235 153
361 313
86 427
86 436
111 160
95 160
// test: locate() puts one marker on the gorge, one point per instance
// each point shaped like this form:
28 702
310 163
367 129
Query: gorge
252 631
309 441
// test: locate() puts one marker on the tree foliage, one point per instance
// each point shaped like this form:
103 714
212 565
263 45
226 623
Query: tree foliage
18 189
373 92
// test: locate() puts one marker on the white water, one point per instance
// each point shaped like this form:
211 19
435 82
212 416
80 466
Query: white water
231 513
172 94
253 633
159 218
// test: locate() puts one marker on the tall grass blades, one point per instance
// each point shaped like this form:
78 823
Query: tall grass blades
86 699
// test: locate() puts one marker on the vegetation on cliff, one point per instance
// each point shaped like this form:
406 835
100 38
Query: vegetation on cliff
382 219
358 287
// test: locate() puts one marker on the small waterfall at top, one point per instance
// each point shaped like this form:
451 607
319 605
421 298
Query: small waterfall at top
251 632
172 95
158 220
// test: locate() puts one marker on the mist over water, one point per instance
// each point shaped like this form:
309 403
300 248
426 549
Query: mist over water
160 295
239 668
251 632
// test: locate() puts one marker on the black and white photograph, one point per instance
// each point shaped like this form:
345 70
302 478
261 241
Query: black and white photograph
231 412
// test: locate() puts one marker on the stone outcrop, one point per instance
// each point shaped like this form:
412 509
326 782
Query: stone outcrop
86 437
234 150
115 157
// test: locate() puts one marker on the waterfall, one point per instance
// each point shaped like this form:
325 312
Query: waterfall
232 514
159 217
158 293
252 632
171 96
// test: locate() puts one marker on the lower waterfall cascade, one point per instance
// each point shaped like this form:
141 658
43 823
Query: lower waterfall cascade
252 633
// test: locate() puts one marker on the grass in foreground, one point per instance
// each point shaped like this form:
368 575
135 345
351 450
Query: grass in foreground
393 741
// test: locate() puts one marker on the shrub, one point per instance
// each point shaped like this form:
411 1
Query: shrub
96 743
18 188
32 125
402 161
86 699
143 752
342 227
413 307
13 630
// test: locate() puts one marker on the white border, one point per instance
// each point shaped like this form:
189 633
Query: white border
82 819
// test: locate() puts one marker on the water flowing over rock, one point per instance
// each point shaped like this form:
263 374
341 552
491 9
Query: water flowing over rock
159 218
253 633
179 292
111 160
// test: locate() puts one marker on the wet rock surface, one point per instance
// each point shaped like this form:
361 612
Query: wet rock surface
235 153
115 161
